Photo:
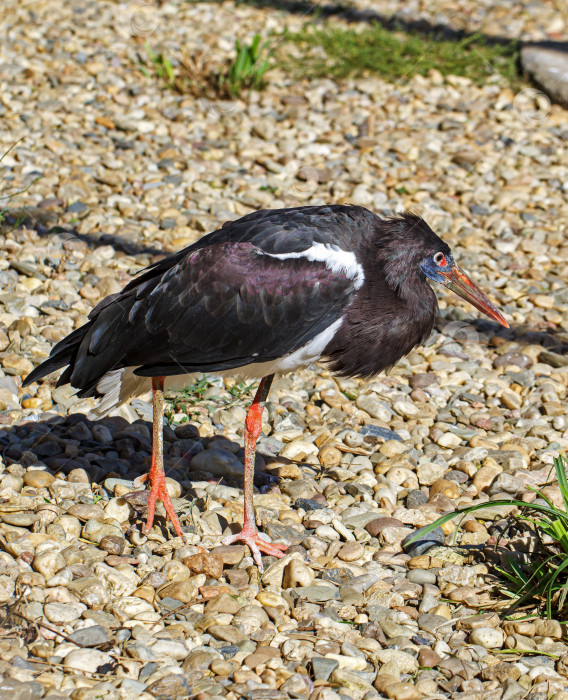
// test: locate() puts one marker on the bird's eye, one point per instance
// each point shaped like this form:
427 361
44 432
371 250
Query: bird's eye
440 260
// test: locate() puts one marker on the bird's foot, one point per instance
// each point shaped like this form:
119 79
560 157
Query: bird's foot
249 536
158 492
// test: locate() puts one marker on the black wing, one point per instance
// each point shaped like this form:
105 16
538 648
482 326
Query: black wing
221 304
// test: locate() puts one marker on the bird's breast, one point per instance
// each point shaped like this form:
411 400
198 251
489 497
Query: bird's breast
373 337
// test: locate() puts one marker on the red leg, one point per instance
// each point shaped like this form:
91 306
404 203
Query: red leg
156 475
249 534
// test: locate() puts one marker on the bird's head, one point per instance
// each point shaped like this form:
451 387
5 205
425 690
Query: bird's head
407 243
439 266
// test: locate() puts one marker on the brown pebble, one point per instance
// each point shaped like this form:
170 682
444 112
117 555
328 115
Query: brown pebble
284 470
261 656
114 560
410 611
351 551
78 476
242 675
464 594
86 511
378 525
490 619
223 603
186 591
231 555
501 672
329 456
212 592
474 526
419 396
113 544
237 578
445 487
146 593
170 686
37 478
422 561
223 667
424 379
428 658
311 524
209 564
155 579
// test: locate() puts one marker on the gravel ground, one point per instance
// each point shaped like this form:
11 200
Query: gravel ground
118 172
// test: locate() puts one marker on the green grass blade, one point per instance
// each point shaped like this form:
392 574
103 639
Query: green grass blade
169 71
255 44
150 53
549 591
560 469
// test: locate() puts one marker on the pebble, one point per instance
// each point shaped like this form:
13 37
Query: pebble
90 636
376 526
399 660
209 564
323 667
169 686
38 479
488 637
48 563
320 594
420 542
86 660
297 574
184 591
421 576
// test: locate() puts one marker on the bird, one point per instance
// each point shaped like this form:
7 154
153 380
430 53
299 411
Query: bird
271 292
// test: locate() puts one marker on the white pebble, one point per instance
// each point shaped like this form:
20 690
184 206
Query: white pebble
488 637
327 532
87 660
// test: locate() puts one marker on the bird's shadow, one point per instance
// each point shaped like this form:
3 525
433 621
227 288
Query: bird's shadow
61 444
46 222
490 334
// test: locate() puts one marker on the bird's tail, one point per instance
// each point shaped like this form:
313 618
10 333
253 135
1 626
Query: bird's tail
113 388
62 354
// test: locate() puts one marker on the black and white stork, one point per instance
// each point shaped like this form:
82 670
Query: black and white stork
271 292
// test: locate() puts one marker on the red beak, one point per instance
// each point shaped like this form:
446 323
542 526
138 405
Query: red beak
461 285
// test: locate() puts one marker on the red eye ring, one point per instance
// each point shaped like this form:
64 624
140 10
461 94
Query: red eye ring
440 260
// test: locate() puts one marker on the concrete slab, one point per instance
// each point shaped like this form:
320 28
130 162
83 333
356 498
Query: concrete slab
547 64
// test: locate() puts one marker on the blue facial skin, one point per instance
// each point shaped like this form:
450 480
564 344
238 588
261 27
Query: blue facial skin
432 269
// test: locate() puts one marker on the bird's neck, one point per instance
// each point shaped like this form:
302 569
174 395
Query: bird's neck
381 325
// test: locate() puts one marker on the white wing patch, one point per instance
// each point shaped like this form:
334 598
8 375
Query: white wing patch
302 357
335 258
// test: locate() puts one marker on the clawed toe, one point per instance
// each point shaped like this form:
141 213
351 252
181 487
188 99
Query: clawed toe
159 492
256 544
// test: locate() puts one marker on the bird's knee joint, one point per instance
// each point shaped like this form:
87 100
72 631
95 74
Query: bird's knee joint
253 422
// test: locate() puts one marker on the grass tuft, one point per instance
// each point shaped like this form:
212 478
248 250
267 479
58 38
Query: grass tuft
540 578
199 76
398 55
249 67
162 68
